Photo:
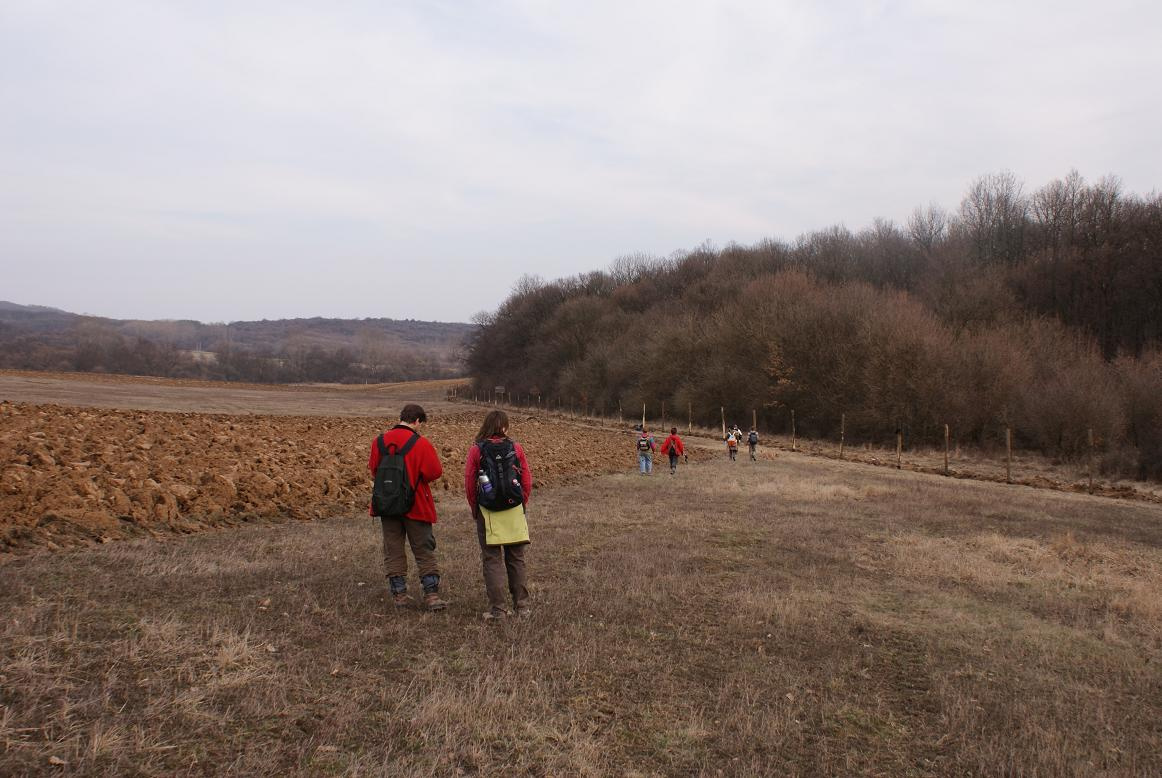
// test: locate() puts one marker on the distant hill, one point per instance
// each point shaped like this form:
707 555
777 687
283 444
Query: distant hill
15 308
34 337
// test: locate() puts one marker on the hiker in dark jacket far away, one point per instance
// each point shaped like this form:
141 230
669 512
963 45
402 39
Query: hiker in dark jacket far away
672 446
422 466
645 452
752 440
497 560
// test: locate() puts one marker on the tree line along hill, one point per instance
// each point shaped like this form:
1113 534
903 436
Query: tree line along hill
1039 312
274 351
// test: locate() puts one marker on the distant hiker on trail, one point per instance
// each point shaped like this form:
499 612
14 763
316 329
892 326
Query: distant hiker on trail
672 446
731 445
404 463
498 483
645 452
752 440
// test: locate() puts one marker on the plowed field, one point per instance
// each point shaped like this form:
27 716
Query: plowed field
72 475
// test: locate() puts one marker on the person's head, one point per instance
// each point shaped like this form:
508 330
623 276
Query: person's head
413 414
673 430
752 429
495 425
645 431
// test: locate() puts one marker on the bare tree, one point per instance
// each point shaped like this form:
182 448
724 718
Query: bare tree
928 226
994 214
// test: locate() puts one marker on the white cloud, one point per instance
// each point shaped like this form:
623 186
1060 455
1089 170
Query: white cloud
371 140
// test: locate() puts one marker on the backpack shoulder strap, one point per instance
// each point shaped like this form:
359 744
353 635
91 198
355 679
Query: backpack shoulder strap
403 452
381 445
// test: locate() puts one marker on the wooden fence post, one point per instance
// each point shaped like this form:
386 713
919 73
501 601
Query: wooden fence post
643 416
754 419
842 432
1089 460
899 449
1008 454
663 414
689 417
946 441
722 410
793 442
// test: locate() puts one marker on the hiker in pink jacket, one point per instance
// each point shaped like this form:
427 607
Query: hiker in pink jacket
499 562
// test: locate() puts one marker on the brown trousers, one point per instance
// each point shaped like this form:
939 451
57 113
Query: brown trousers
500 562
419 536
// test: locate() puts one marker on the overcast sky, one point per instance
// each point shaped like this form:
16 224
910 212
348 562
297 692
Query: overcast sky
241 160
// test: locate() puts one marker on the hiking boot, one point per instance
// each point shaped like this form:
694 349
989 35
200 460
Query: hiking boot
496 614
401 600
433 602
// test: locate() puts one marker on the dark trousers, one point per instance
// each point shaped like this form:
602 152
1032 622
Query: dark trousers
419 536
501 563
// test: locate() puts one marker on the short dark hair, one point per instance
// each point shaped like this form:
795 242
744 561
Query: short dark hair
673 430
412 413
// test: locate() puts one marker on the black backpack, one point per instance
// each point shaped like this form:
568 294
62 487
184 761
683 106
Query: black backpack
752 438
643 444
393 495
498 461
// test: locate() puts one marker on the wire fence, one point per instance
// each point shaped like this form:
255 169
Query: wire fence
943 459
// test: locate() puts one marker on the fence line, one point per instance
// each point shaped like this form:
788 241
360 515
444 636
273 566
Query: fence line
544 404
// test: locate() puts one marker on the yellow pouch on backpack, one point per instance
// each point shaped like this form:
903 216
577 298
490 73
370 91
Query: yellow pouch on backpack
505 528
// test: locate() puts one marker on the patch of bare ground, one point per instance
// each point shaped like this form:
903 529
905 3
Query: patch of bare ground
790 617
73 476
95 390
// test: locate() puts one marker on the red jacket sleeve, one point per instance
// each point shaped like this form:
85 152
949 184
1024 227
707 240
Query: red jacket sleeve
430 468
526 473
471 465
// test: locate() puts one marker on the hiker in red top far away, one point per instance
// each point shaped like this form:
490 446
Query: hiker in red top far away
403 501
674 448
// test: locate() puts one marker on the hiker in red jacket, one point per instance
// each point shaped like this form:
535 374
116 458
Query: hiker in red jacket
423 467
499 560
674 448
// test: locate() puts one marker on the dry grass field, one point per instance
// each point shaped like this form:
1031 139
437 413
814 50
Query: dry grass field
791 617
795 616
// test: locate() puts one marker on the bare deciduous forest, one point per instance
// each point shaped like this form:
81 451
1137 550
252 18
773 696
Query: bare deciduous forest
1037 311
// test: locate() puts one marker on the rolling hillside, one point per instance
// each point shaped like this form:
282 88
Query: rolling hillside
269 351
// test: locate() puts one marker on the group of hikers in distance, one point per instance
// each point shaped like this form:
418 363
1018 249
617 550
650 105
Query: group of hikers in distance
733 439
675 449
498 483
